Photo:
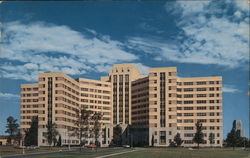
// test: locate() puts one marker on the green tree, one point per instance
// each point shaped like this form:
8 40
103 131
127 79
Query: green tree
96 118
19 137
199 136
232 138
59 142
211 138
152 140
12 128
51 133
178 140
31 135
117 135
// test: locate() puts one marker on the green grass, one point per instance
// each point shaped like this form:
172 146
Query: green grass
10 150
155 153
185 153
85 153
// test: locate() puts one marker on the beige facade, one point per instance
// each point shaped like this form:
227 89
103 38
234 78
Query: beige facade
121 76
57 98
156 106
163 104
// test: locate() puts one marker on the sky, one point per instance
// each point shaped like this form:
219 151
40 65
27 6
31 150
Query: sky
85 38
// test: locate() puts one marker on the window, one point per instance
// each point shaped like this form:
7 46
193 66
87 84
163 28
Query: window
211 82
188 128
188 102
211 88
162 137
201 95
188 95
201 83
201 101
188 134
211 101
211 107
188 108
188 89
188 83
201 107
211 114
211 95
201 89
188 120
201 114
188 114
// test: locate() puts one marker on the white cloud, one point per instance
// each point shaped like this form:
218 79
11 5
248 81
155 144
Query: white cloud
204 39
243 4
143 68
229 89
8 96
41 47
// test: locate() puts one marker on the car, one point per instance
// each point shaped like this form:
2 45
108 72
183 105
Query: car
32 147
126 146
90 146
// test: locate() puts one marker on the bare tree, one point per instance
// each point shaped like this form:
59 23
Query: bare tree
82 125
96 118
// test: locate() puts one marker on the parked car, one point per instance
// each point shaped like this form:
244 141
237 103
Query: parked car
90 146
126 146
32 147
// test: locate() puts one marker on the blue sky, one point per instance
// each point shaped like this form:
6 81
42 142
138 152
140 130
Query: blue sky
84 39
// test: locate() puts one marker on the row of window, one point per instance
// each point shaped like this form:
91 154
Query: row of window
198 83
198 89
169 73
199 108
196 95
95 90
30 106
94 84
198 101
94 96
61 79
95 101
199 114
29 89
29 94
192 121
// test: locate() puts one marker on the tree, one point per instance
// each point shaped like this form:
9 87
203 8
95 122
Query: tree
232 138
12 128
97 127
152 140
59 142
31 135
178 140
54 141
211 138
18 137
51 133
199 136
117 135
82 125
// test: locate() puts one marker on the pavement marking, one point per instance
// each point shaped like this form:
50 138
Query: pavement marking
116 154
